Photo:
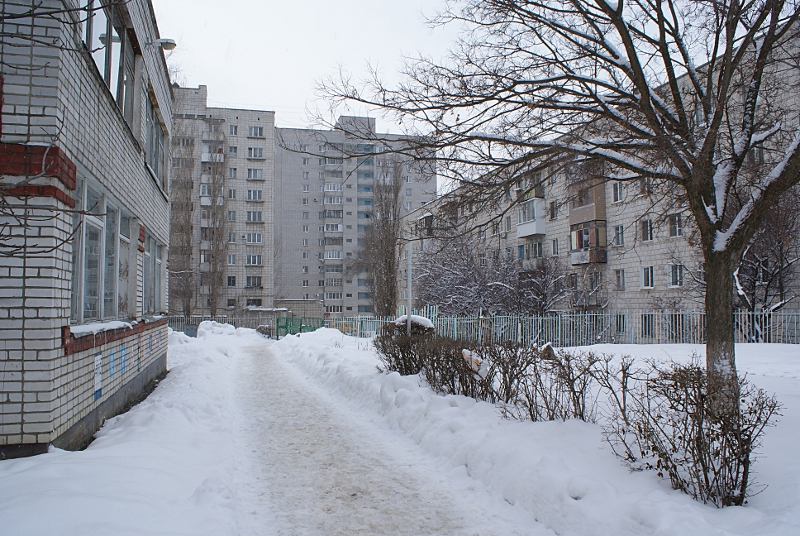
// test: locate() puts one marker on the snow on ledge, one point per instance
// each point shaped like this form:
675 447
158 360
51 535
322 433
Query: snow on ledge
415 319
97 327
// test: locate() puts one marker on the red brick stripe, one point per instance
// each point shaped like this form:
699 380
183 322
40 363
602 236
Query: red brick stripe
74 344
20 159
32 190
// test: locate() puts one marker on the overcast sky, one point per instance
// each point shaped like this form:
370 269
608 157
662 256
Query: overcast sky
270 54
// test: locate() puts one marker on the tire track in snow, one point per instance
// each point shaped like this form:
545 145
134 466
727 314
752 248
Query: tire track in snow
323 471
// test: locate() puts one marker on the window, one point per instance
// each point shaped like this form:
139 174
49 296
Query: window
333 254
333 187
336 282
579 237
253 281
553 210
583 197
619 236
254 195
255 132
154 142
508 224
231 302
333 268
233 130
231 280
408 191
321 283
674 275
617 192
232 193
675 226
205 256
305 228
555 246
305 242
255 174
253 260
333 200
363 282
527 211
253 238
333 308
232 173
231 215
253 302
305 188
333 227
495 228
364 308
619 280
255 152
305 269
305 282
647 277
305 176
231 260
306 161
646 186
305 254
482 259
305 201
536 250
595 280
646 230
305 215
333 295
231 237
253 216
364 296
407 205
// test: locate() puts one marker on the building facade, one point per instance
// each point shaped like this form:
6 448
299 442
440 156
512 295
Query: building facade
223 206
86 120
325 187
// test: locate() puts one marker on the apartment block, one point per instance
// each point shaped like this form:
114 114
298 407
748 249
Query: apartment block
325 187
86 120
223 207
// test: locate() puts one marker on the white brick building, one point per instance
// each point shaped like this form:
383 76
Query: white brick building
86 119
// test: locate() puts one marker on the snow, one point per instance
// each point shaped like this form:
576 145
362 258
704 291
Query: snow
415 319
306 436
97 327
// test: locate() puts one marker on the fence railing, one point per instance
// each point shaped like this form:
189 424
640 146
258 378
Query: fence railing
567 329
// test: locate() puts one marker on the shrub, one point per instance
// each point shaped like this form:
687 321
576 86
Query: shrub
664 419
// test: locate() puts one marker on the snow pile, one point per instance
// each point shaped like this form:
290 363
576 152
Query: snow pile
415 319
563 472
169 466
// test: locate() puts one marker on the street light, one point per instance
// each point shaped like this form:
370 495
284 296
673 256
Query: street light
165 44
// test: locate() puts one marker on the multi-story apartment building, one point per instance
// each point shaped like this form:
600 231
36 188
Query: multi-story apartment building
86 118
618 245
325 184
222 206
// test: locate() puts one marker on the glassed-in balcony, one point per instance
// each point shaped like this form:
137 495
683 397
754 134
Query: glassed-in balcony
532 220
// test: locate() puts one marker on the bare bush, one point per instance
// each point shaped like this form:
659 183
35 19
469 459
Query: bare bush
663 419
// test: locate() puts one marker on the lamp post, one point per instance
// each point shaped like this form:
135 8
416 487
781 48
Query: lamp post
409 253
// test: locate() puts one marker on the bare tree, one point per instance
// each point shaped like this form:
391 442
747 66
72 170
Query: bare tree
546 286
183 273
214 217
675 92
378 253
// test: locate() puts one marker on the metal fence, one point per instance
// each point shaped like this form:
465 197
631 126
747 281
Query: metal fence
573 329
249 321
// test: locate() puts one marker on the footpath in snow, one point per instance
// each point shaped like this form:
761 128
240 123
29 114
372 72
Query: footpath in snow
305 436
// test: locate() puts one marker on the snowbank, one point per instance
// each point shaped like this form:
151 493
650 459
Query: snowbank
415 319
563 471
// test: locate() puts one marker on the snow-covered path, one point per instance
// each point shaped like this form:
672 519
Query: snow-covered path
324 472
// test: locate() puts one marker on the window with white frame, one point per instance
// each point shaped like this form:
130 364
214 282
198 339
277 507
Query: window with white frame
254 216
233 130
231 280
231 259
674 275
255 132
232 173
647 280
253 281
305 228
304 269
253 260
232 193
255 152
619 236
305 282
305 242
233 150
675 225
617 192
646 230
255 174
619 279
253 238
333 187
254 195
305 188
333 295
555 247
231 215
333 254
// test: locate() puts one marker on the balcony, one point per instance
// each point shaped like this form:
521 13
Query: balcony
532 214
213 136
533 264
588 256
213 157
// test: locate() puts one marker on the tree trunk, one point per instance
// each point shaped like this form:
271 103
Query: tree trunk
723 384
